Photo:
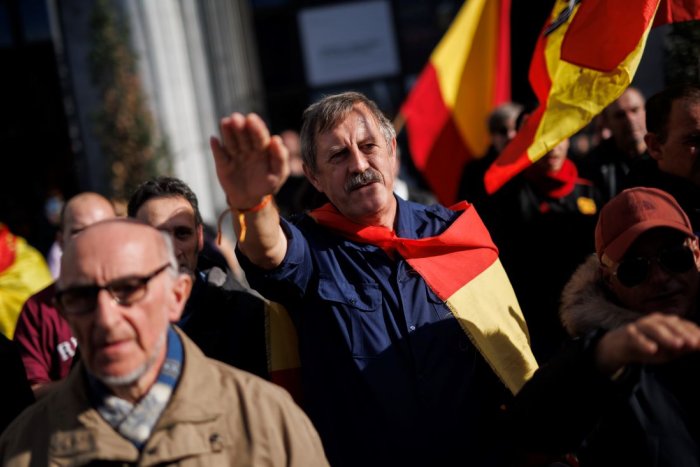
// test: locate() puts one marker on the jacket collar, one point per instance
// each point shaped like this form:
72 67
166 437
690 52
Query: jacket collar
586 305
190 424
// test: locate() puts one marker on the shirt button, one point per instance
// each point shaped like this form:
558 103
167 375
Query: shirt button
412 328
352 301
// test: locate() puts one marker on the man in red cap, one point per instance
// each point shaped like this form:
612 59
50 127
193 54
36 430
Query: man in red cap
625 385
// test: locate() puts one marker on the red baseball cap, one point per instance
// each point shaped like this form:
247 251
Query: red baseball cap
631 213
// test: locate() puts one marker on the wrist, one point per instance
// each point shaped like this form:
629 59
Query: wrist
252 207
608 358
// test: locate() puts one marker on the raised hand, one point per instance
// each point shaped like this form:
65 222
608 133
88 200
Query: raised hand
654 338
250 163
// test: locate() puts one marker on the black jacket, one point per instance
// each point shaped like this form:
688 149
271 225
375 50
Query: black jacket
227 321
650 416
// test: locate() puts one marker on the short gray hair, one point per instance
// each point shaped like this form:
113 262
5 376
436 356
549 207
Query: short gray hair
501 114
325 114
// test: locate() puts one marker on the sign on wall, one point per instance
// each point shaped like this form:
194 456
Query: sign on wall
348 42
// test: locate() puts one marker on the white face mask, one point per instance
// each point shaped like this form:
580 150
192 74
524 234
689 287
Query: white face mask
52 209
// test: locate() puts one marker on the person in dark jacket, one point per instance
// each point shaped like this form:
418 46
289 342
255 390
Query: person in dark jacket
226 320
673 139
609 163
543 220
623 392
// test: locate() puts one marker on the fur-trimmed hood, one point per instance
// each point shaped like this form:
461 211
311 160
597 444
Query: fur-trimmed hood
586 305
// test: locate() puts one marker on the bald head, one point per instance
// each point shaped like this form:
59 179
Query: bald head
83 210
119 289
113 237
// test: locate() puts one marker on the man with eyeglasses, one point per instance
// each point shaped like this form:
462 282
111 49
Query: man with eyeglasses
626 386
143 393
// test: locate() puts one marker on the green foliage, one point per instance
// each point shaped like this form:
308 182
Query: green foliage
124 125
683 53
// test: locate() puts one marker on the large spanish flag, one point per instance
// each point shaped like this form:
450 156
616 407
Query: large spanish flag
460 266
467 76
586 56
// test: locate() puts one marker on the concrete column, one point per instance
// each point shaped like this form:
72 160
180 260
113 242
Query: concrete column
198 63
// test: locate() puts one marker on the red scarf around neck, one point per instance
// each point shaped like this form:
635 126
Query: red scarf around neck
554 185
446 261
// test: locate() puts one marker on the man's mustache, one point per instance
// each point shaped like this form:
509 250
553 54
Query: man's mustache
362 179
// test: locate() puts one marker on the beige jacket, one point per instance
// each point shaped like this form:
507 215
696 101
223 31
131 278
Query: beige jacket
218 416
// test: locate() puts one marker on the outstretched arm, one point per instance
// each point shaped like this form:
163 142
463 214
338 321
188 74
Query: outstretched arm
652 339
566 398
251 165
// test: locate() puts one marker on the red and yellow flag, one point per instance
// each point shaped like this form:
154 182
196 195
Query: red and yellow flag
584 59
23 272
462 268
467 76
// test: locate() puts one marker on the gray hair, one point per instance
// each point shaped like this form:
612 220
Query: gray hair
325 114
502 113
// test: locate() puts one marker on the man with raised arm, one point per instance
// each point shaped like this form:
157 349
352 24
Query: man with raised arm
410 336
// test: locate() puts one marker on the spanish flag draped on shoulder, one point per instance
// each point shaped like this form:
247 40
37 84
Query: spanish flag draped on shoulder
585 57
468 74
462 268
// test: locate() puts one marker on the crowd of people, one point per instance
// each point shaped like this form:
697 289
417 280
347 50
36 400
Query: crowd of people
552 323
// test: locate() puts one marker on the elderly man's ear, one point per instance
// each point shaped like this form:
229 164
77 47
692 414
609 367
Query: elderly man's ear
182 286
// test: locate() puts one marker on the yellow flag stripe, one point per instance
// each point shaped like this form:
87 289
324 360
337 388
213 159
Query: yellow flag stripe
466 72
282 341
577 94
488 311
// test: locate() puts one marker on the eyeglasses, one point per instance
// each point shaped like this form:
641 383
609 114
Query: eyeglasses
125 291
677 259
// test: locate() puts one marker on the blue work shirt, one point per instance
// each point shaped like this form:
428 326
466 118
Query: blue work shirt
389 376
